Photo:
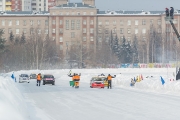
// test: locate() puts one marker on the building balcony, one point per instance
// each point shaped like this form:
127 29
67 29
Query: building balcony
8 9
8 3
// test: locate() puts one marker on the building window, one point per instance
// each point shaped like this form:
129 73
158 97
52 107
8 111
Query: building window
53 30
114 22
106 30
10 22
144 38
39 31
107 39
72 13
31 31
121 22
159 22
84 22
17 31
67 24
99 39
92 22
99 23
84 38
92 38
99 30
53 38
24 22
46 31
61 30
72 24
46 22
114 30
136 31
78 13
151 22
31 22
9 30
144 31
17 22
38 22
67 13
107 22
84 30
53 22
61 47
129 39
129 31
24 30
61 39
92 13
121 30
3 22
60 13
78 25
60 22
136 22
91 30
129 22
84 13
72 35
143 22
159 30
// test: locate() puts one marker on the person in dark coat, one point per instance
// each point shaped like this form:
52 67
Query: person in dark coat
167 12
172 12
178 76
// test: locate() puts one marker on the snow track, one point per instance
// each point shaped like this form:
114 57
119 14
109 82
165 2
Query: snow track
62 102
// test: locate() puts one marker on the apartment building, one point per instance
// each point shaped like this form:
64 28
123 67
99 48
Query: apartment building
82 23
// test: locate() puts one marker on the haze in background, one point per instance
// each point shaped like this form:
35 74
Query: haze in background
147 5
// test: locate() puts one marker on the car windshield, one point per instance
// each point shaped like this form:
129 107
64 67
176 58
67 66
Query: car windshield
97 79
48 76
24 75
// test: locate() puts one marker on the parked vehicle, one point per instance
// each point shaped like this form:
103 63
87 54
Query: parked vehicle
97 82
24 78
48 79
32 76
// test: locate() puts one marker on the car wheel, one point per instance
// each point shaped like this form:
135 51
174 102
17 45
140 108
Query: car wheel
28 82
53 83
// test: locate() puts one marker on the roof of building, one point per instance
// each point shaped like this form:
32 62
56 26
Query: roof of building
74 5
24 12
122 12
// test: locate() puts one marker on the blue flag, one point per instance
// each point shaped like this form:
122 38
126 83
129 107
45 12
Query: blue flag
12 76
162 80
134 79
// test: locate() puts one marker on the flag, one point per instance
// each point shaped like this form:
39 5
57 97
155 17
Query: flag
162 80
134 79
12 76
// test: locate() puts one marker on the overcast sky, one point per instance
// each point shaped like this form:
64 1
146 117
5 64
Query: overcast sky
147 5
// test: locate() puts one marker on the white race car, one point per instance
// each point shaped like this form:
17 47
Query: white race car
24 78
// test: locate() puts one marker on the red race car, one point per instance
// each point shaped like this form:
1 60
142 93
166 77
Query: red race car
97 82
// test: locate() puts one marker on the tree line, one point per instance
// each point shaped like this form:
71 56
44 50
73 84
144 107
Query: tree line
38 51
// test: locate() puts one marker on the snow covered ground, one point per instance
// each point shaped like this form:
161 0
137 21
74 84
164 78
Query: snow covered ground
147 100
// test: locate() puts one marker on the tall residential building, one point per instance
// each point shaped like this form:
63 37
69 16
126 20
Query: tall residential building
2 5
16 5
89 2
60 2
40 5
26 5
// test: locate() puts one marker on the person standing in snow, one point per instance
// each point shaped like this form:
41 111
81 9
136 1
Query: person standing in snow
109 78
132 82
39 77
178 75
167 12
172 12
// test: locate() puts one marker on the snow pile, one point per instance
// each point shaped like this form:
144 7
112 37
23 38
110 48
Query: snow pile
11 101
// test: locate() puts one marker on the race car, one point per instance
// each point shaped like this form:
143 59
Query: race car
97 82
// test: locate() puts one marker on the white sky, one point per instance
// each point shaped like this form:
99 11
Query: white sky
147 100
147 5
